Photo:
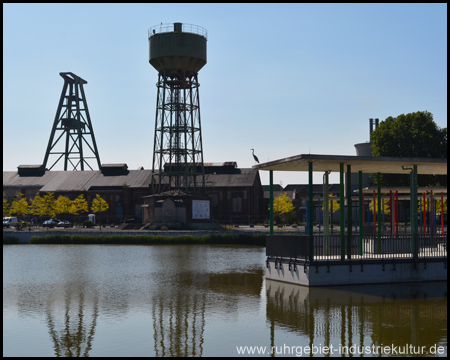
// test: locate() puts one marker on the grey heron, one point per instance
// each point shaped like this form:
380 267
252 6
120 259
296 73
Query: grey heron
254 156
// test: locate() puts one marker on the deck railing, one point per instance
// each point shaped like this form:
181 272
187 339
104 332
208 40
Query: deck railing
331 247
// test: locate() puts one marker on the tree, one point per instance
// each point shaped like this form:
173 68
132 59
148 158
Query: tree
410 135
6 211
37 205
385 206
335 203
79 205
283 209
19 205
48 205
62 205
99 205
439 206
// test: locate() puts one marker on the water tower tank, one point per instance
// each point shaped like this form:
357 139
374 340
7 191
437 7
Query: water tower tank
174 47
177 51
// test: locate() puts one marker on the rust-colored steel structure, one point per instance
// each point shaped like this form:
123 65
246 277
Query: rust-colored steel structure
178 51
73 127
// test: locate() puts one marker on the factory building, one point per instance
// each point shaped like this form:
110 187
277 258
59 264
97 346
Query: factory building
236 194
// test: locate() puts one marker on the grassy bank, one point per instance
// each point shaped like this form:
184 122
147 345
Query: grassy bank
240 239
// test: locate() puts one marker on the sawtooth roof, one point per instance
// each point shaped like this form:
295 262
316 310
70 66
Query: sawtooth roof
64 181
60 181
244 177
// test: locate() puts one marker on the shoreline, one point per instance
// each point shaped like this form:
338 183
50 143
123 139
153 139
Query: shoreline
135 238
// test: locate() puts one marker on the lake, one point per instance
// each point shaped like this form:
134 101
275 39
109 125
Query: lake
202 300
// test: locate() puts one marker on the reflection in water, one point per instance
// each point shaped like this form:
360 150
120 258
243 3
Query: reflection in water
179 326
165 292
193 301
394 314
72 333
179 318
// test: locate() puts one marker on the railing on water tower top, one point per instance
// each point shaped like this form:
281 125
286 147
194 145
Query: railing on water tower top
187 28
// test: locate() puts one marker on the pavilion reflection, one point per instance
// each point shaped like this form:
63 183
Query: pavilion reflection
397 314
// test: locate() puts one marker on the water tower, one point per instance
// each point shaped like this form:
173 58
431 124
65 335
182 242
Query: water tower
177 52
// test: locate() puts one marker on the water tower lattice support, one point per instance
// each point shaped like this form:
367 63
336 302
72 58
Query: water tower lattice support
178 52
73 127
178 142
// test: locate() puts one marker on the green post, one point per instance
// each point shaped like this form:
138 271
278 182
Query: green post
342 209
360 213
326 214
310 210
349 212
379 212
271 201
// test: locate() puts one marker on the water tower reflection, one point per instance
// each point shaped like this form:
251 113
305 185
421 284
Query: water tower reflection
179 318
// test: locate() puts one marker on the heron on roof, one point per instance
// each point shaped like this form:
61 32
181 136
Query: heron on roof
254 156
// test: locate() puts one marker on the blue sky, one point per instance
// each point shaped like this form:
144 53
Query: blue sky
284 79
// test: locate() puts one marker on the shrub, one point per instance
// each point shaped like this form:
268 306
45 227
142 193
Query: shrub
10 240
88 224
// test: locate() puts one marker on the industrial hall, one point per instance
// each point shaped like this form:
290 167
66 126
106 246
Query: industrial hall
236 194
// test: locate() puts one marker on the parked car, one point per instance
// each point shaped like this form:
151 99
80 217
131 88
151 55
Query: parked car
65 224
9 221
50 223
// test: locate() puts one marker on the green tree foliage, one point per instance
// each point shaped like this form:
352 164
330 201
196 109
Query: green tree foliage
283 209
410 135
79 205
63 205
19 205
6 210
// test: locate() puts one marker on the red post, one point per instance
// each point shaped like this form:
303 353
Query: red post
431 213
392 210
442 213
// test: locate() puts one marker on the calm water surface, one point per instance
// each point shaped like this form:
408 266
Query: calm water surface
200 301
